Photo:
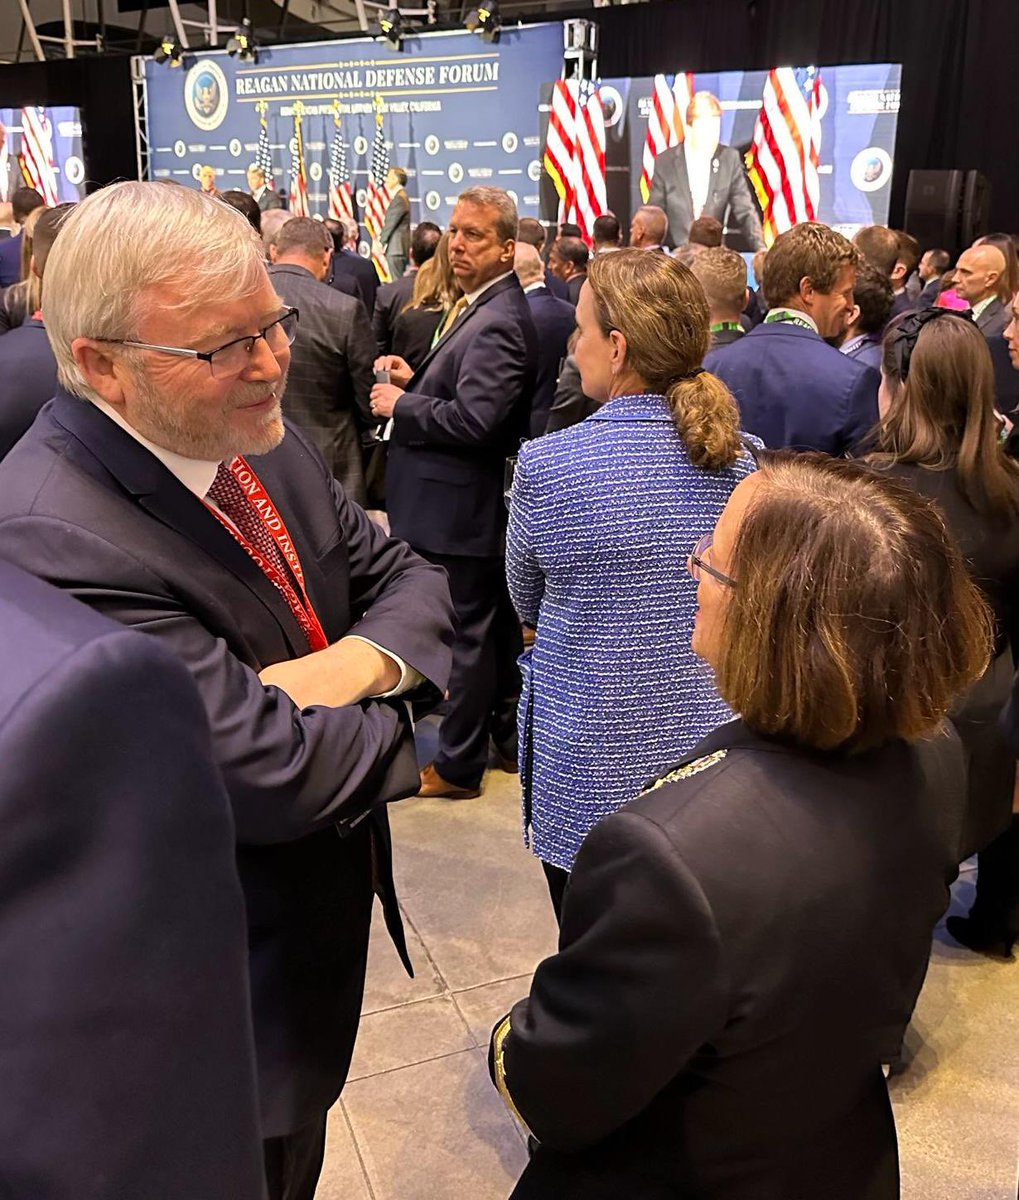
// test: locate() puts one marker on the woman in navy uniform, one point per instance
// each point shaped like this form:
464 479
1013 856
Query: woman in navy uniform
742 946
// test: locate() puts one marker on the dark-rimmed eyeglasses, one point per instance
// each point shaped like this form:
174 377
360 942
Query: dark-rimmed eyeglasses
697 563
232 358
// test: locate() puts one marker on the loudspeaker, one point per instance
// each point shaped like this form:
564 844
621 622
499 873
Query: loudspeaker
976 208
934 207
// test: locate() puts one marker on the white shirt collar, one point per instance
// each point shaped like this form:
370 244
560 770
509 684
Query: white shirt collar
795 312
533 287
473 296
195 474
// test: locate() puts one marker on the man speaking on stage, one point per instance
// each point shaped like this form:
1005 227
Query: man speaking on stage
703 178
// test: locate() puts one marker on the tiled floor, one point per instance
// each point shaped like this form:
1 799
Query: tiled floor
419 1119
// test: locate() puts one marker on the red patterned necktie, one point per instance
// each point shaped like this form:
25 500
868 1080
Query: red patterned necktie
229 497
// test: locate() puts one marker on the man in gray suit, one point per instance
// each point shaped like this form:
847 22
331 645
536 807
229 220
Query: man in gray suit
980 280
701 177
331 360
395 232
261 193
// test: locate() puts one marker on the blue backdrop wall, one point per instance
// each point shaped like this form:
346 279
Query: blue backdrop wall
457 111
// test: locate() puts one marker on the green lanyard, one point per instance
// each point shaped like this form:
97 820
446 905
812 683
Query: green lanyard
786 316
726 327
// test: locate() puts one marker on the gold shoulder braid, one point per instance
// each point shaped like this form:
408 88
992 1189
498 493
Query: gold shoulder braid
499 1040
694 768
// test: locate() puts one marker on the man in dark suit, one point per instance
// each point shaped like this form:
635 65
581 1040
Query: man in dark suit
28 370
932 266
701 177
125 1005
24 202
533 233
463 413
979 276
571 404
350 272
261 193
554 322
722 273
331 377
568 262
392 298
394 235
794 390
296 615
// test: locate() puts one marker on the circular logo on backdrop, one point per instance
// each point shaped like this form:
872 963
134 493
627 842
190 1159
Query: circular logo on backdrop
180 149
236 147
432 144
360 145
362 197
432 201
871 169
196 172
513 196
205 94
510 141
74 170
612 105
534 170
315 171
456 173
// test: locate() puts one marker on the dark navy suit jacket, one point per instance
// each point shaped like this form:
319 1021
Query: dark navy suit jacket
797 392
127 1056
85 505
350 268
554 322
28 378
556 286
463 414
10 260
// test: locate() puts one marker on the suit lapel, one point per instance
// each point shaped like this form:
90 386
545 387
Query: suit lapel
158 491
454 329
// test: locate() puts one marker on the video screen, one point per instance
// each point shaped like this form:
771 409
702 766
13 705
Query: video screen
41 148
789 144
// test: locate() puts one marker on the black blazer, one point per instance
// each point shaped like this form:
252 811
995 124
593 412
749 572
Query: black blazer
741 948
992 324
28 378
464 412
413 333
127 1057
571 404
330 379
85 506
729 197
554 322
795 391
356 276
573 287
556 286
390 300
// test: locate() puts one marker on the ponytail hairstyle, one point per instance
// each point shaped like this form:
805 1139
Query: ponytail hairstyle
659 307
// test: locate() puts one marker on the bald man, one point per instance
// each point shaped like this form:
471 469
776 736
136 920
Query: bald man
978 276
649 227
554 320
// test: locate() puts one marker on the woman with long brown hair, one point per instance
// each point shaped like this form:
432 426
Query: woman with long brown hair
939 433
600 518
436 291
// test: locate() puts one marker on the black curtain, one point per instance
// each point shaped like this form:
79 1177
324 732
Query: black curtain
958 75
101 89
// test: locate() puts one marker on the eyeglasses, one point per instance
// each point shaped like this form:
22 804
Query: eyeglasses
696 563
234 357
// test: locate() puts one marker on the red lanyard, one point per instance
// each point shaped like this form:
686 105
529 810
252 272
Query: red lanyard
266 512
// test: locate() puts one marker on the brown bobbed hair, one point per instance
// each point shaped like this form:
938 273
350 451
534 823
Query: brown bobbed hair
853 620
807 251
435 285
942 415
659 307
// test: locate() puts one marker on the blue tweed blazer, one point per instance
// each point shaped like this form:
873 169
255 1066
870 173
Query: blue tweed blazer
603 516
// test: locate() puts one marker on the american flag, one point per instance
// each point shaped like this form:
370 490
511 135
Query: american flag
263 155
298 175
666 123
785 155
36 154
575 152
378 199
341 203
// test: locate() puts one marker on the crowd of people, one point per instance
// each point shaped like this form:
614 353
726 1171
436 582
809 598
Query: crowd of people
728 575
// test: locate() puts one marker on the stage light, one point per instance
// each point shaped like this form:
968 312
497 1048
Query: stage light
169 51
242 44
485 20
392 28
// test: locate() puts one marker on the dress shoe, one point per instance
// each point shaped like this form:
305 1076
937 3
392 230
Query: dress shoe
973 936
435 787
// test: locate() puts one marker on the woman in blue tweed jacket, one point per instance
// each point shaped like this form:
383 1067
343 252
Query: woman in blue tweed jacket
602 519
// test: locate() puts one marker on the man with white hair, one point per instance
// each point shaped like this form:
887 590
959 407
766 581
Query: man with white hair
350 272
162 487
554 322
272 222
